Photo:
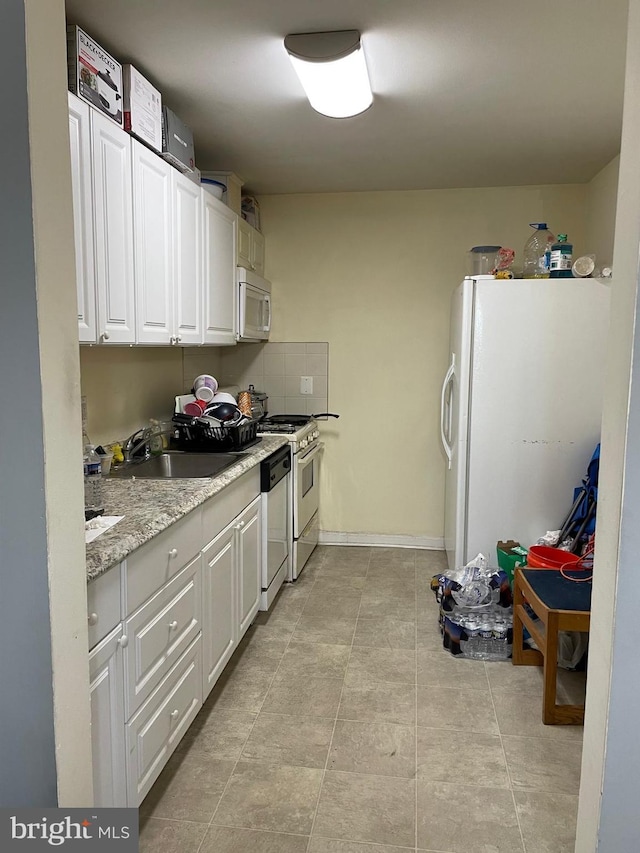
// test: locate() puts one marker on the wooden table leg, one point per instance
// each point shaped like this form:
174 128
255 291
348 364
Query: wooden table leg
550 669
518 640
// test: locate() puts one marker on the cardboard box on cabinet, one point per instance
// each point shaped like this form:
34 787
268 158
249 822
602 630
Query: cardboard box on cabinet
142 108
177 142
93 74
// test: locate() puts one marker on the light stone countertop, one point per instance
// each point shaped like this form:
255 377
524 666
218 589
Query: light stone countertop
150 506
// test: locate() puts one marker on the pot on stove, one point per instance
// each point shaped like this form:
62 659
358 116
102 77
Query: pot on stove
259 403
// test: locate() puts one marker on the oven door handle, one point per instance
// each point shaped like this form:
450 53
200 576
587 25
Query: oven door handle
306 457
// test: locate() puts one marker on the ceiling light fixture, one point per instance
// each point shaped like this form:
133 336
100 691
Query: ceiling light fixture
332 70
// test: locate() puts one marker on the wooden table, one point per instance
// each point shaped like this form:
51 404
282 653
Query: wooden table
561 605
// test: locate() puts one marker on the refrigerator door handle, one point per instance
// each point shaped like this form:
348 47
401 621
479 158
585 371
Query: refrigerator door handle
443 436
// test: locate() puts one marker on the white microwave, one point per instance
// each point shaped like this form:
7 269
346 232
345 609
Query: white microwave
254 306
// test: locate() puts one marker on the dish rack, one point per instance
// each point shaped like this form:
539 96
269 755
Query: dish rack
195 434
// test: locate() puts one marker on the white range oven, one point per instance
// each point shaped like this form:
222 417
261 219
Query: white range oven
306 447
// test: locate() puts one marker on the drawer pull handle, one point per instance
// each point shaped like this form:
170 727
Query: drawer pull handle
93 619
123 642
173 553
175 714
173 625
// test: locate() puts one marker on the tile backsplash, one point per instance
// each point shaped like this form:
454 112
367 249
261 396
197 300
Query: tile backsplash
278 370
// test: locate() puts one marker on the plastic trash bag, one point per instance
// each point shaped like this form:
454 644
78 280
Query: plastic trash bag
473 585
572 647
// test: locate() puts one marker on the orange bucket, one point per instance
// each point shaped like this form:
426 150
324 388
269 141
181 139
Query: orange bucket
543 557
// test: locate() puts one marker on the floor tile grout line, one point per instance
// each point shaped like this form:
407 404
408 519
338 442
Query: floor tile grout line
506 763
335 723
228 782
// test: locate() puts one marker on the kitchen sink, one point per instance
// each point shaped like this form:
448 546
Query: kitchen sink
177 464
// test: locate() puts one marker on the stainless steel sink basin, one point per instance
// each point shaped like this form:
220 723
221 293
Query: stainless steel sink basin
177 464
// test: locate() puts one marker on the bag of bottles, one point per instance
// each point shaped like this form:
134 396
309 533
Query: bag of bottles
475 611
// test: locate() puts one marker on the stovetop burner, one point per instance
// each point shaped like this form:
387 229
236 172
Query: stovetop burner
269 426
292 420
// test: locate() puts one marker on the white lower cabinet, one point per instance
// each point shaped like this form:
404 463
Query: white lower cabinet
106 677
160 631
249 585
180 605
231 589
219 605
157 728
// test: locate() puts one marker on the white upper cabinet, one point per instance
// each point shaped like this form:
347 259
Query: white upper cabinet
80 145
250 247
187 260
113 222
153 255
219 273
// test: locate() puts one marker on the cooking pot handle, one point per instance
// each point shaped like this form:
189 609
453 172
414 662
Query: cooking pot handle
325 415
447 379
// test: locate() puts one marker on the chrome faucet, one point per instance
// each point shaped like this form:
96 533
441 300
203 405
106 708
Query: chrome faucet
138 446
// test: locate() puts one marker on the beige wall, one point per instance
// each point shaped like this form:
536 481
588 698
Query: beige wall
372 274
602 194
125 386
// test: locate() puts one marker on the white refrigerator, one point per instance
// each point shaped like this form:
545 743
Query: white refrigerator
521 407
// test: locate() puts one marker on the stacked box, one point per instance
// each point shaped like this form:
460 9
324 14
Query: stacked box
177 142
142 108
510 555
94 75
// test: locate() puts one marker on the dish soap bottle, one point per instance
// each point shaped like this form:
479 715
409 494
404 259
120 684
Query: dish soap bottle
537 251
561 258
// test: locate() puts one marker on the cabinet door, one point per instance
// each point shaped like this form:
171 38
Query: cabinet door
152 246
113 223
219 609
80 148
219 271
248 526
155 731
160 631
257 252
187 260
106 676
244 244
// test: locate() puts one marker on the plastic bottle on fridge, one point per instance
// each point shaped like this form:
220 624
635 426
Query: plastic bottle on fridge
561 258
537 251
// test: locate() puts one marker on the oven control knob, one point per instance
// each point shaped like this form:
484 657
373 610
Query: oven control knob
304 443
316 433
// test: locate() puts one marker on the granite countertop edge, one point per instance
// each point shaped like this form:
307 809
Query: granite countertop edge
151 506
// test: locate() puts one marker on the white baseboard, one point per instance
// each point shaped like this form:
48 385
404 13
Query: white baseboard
381 540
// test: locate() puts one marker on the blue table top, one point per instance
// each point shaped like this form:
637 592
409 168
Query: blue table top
557 592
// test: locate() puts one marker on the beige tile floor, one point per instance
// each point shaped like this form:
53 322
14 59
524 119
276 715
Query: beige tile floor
342 726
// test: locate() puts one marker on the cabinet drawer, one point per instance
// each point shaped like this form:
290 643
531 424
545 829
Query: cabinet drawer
156 730
160 631
151 566
103 605
220 510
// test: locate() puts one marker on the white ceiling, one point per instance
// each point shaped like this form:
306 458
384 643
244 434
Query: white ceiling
466 93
